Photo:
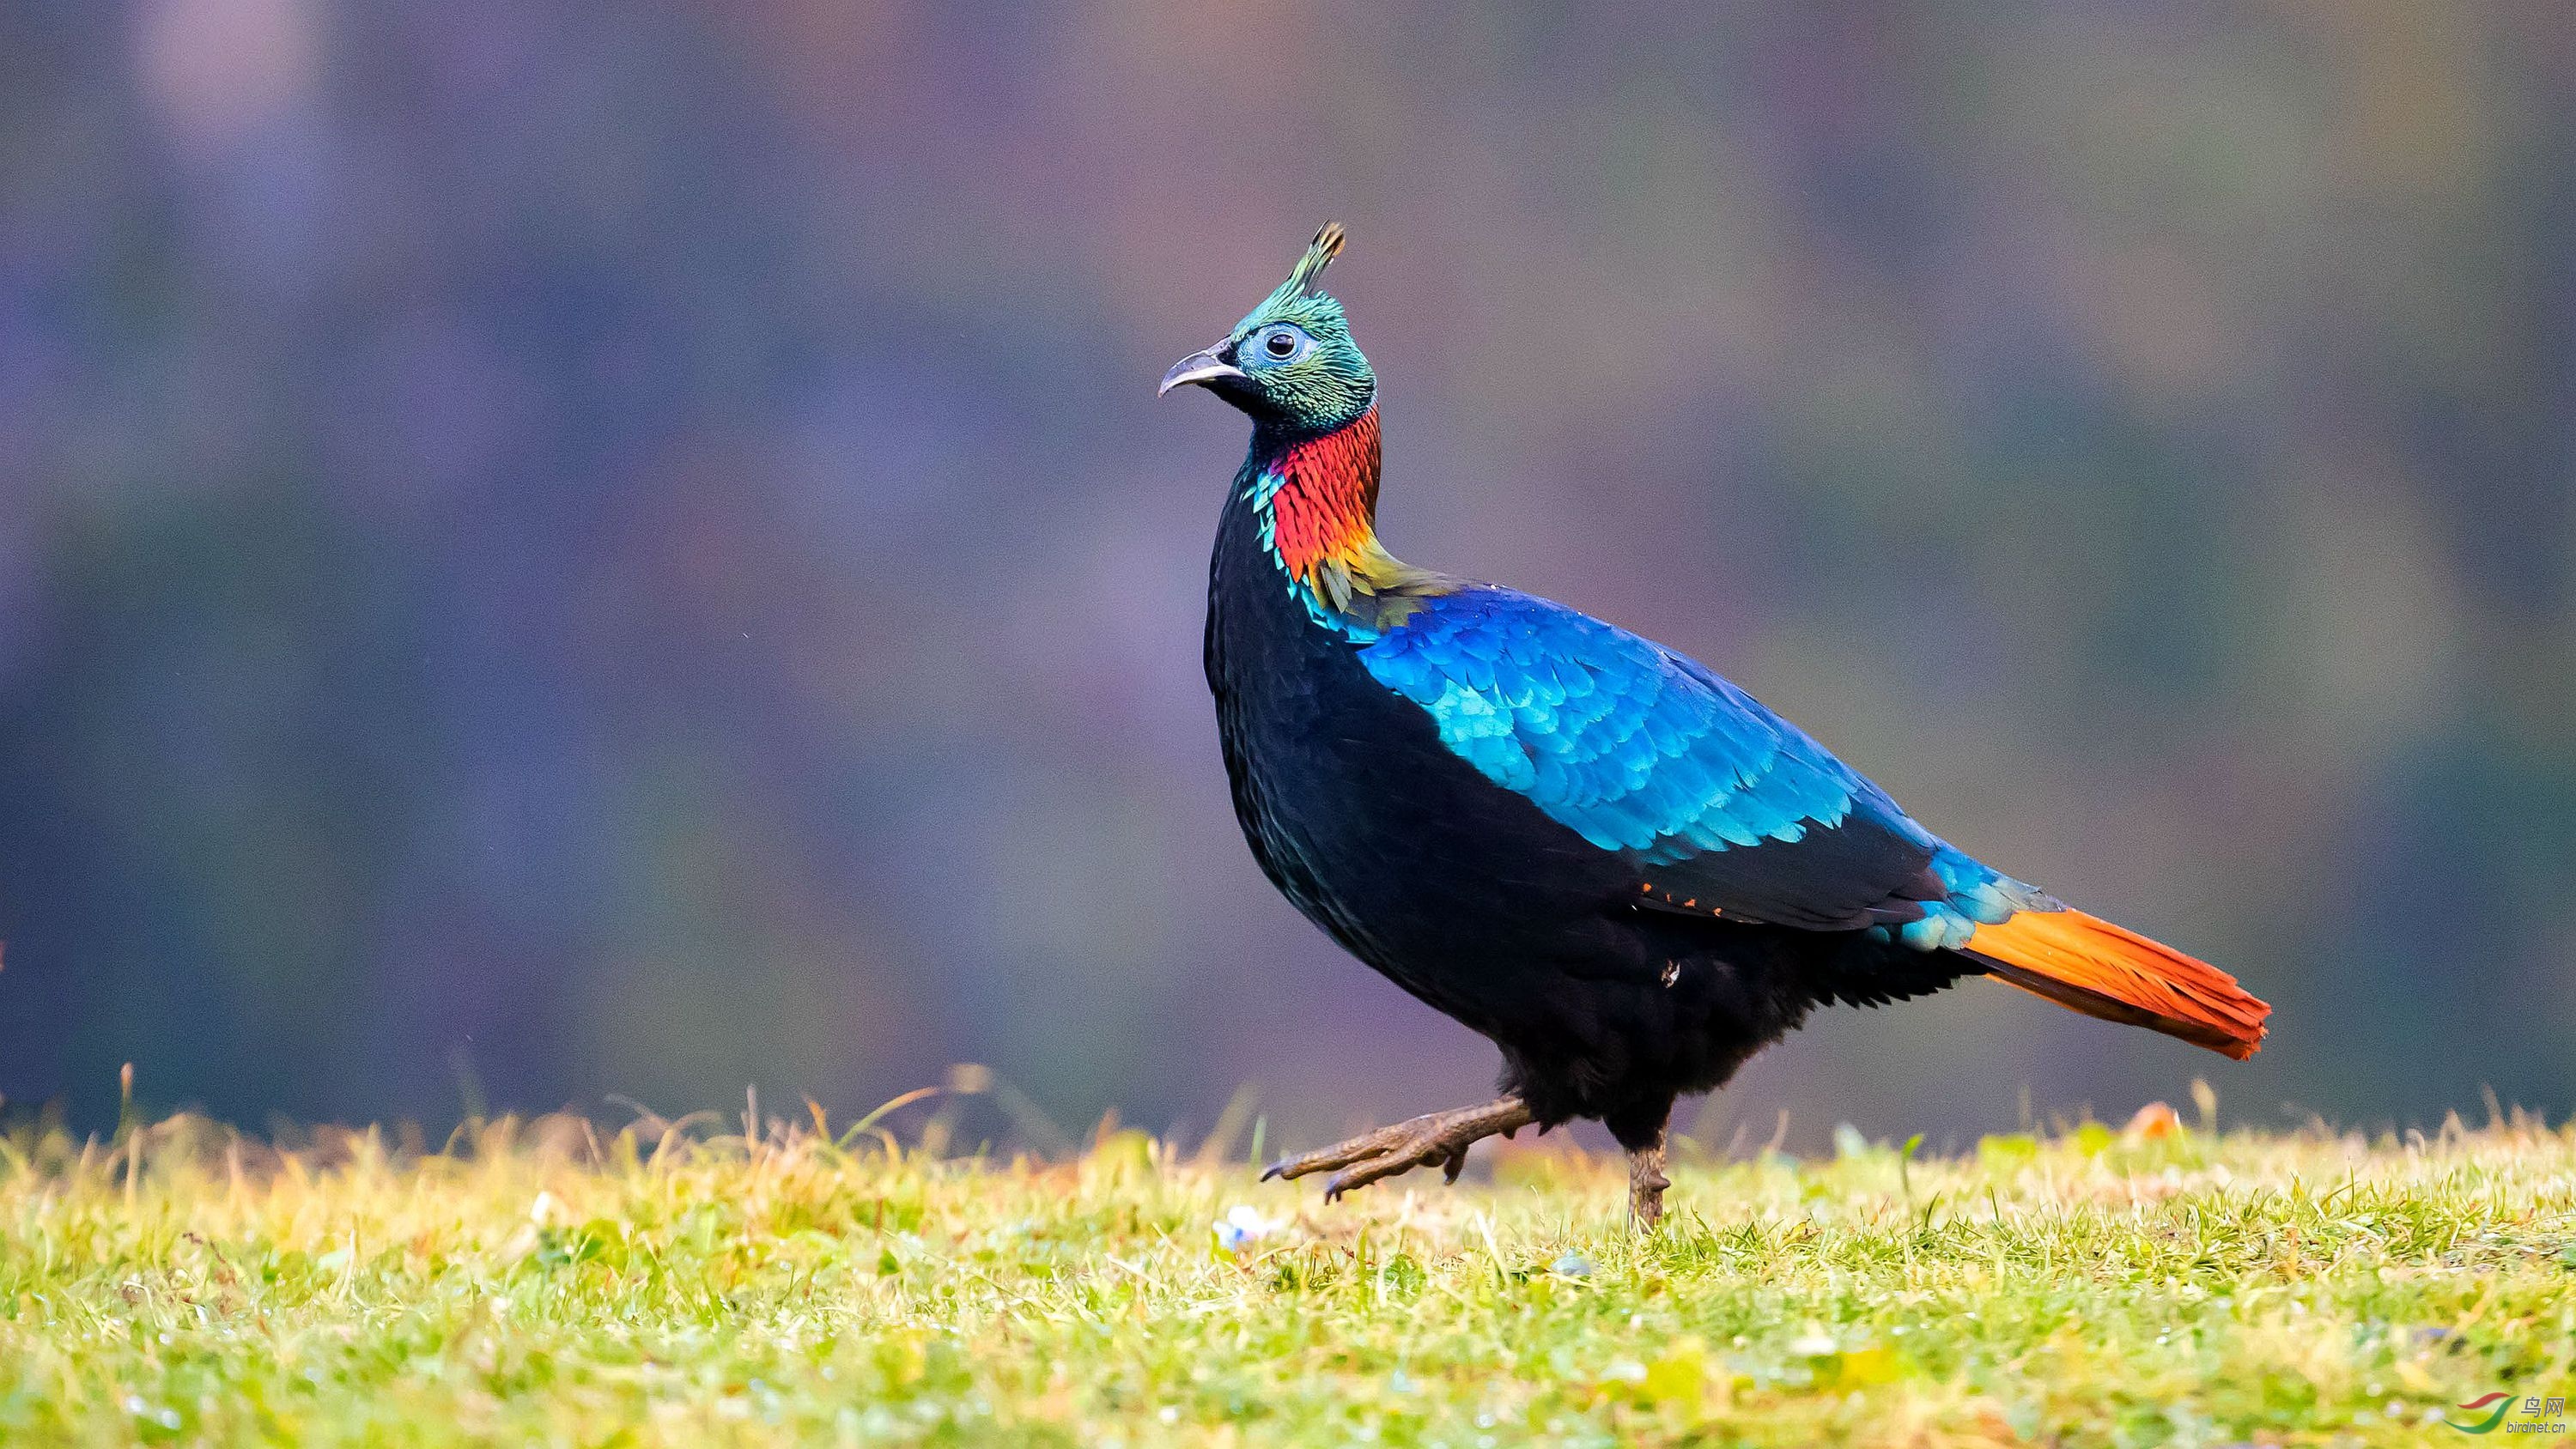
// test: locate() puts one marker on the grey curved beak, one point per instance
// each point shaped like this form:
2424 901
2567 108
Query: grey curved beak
1199 367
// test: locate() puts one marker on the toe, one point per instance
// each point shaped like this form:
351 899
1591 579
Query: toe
1392 1163
1343 1154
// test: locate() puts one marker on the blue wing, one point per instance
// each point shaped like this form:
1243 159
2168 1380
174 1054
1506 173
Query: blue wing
1722 806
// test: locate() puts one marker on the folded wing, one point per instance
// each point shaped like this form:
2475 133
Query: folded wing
1723 807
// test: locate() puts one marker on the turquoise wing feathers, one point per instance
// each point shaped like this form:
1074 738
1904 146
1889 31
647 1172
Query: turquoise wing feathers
1646 753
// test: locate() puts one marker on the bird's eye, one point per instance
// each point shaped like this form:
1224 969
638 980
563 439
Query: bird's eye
1283 342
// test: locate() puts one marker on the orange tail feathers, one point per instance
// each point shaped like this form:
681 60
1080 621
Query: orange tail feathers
2089 965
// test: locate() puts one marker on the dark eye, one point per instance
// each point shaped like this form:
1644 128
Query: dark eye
1281 342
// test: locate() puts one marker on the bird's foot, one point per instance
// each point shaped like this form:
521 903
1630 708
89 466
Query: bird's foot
1646 1184
1441 1137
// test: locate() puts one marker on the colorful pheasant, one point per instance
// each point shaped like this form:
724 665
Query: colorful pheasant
1616 865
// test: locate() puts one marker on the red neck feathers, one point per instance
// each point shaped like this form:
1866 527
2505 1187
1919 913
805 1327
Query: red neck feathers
1323 510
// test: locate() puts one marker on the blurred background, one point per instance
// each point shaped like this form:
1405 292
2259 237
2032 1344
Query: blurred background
555 550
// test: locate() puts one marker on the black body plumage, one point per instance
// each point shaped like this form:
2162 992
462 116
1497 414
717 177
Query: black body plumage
1468 896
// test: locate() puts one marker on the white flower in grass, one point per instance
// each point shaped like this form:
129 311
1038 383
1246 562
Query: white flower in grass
1242 1226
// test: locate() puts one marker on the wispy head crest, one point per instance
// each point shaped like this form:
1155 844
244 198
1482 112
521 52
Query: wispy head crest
1319 255
1301 278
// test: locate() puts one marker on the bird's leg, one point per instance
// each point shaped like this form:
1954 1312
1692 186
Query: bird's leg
1646 1184
1441 1137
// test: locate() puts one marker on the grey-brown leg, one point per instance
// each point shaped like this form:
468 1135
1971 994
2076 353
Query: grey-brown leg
1646 1184
1441 1137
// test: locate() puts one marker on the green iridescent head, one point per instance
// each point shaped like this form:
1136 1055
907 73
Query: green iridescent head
1290 363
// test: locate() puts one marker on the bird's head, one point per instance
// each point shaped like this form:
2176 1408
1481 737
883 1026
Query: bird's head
1290 363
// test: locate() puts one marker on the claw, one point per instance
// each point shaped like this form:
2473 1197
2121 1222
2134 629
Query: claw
1440 1137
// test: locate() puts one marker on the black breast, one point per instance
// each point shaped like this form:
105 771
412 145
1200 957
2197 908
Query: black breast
1462 891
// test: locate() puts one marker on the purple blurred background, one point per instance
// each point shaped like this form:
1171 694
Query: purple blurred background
553 550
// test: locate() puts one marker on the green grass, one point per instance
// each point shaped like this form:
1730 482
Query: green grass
544 1283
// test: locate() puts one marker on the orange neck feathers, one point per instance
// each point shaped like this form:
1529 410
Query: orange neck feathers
1317 500
1322 502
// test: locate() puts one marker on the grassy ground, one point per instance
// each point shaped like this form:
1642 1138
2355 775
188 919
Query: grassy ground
543 1283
